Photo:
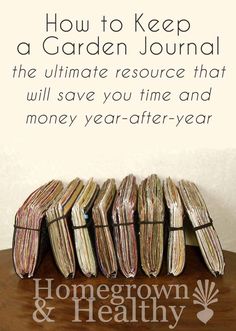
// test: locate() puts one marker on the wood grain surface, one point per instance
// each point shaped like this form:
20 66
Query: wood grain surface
17 303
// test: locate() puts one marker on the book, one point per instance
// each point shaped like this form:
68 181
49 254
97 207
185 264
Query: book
30 240
176 239
151 225
124 207
203 227
81 220
101 217
59 227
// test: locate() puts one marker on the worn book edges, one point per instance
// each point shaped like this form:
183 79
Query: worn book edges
30 235
81 219
203 226
104 244
151 220
176 240
59 231
124 226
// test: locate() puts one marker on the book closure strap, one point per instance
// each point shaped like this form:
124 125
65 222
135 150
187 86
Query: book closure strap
83 226
114 225
151 222
196 228
59 218
25 228
87 224
203 226
74 227
173 228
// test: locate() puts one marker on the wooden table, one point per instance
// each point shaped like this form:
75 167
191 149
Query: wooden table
17 304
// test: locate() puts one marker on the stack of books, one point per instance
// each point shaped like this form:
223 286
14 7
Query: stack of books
101 214
30 236
59 230
151 224
202 223
81 217
176 240
124 226
114 229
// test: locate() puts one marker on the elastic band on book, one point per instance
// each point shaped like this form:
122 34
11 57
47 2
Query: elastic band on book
151 222
114 224
56 219
101 225
25 228
86 225
172 228
206 225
